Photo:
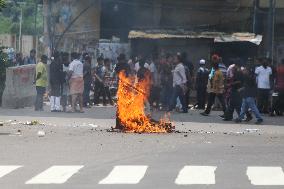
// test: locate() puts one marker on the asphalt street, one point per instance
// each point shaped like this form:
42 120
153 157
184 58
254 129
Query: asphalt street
77 152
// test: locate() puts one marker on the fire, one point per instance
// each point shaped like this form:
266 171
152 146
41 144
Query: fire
132 96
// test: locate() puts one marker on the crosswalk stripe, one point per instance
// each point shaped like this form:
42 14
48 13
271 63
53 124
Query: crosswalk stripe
55 175
266 176
125 175
4 170
190 175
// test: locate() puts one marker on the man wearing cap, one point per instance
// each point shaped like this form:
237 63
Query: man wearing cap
201 84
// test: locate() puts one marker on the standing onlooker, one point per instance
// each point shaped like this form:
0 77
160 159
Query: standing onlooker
201 84
76 82
41 82
120 67
179 85
19 59
32 58
88 79
145 74
215 87
99 82
155 90
131 63
263 74
55 82
65 84
249 93
137 64
278 105
107 80
189 72
166 81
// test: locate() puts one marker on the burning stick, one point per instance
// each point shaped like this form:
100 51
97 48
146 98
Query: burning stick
130 108
132 87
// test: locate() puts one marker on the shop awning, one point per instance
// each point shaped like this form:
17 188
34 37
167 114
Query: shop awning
218 37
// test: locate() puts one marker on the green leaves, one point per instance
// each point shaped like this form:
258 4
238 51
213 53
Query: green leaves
2 4
10 17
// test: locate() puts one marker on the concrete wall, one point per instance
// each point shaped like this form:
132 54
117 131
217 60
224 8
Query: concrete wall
28 43
19 90
8 40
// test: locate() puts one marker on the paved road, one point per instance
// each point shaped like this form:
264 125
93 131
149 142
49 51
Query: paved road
77 153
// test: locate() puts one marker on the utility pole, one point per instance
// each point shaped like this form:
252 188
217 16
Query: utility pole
46 15
271 28
35 19
20 30
256 17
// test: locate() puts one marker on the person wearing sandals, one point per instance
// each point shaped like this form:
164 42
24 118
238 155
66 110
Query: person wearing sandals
76 82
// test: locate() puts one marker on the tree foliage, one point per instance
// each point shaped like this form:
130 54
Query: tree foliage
2 4
4 63
32 16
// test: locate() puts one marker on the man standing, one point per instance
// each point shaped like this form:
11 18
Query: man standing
263 74
56 71
155 84
99 82
76 82
32 58
179 84
201 84
65 81
166 81
121 66
107 80
87 80
278 106
215 87
41 82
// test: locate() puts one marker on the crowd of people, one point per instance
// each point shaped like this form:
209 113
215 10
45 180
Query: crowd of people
245 88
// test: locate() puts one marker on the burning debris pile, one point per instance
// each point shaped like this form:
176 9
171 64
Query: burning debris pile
132 96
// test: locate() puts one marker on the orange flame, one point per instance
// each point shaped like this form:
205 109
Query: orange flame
132 97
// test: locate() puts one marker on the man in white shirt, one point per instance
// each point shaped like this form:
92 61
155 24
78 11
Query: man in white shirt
179 84
76 82
263 74
137 64
155 87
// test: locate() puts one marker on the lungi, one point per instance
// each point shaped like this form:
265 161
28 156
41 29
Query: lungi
76 85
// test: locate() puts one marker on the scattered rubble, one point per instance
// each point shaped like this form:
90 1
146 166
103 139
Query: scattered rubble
34 122
93 125
252 130
40 133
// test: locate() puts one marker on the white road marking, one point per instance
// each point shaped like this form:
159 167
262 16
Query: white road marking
5 170
55 175
190 175
125 175
266 176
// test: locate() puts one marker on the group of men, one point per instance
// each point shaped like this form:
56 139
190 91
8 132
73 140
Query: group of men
71 81
243 88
